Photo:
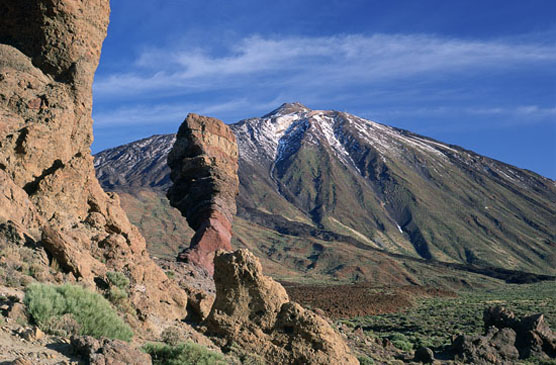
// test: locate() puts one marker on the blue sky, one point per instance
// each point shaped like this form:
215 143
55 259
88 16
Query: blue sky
477 73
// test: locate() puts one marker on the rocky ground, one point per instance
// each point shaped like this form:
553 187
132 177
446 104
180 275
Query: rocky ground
360 299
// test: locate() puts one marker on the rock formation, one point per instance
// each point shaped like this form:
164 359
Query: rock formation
254 311
105 352
507 339
204 164
49 51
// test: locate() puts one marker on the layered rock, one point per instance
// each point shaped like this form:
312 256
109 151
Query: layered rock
204 164
49 51
254 311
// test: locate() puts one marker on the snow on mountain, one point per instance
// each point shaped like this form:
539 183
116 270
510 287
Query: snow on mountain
337 173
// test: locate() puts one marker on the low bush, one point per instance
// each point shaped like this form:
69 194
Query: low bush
400 341
182 354
93 313
365 360
172 336
118 280
433 321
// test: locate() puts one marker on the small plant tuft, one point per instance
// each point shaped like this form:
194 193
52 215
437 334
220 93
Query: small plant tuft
365 360
118 280
93 315
400 341
182 354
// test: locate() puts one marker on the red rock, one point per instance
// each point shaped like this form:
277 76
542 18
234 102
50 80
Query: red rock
204 164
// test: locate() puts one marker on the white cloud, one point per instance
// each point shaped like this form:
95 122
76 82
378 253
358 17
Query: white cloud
168 114
316 62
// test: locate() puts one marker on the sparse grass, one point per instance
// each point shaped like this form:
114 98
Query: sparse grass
182 354
94 315
433 321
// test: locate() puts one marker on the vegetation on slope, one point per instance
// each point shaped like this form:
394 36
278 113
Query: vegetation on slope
433 321
53 306
182 354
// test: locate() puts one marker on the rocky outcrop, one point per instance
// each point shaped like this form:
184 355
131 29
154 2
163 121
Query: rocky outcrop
49 50
108 352
506 339
204 164
254 311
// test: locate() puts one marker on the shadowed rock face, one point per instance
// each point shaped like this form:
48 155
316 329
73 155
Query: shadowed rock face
49 51
506 339
254 311
204 164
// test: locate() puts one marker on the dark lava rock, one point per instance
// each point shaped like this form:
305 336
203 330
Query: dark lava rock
506 339
424 355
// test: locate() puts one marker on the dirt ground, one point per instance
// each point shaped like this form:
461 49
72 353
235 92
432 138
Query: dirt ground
361 299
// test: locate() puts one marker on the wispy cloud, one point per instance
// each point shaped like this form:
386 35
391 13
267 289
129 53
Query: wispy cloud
171 114
312 62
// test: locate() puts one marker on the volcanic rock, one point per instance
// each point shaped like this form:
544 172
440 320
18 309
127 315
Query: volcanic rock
254 311
204 164
424 355
49 51
507 339
108 352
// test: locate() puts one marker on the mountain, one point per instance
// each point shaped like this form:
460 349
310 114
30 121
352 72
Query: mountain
335 177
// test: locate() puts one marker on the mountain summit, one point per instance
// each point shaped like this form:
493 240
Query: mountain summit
324 173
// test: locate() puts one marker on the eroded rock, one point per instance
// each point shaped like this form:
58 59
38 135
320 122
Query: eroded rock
108 352
49 51
254 311
204 164
506 339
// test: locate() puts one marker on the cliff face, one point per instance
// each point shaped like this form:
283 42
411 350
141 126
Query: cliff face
204 163
49 51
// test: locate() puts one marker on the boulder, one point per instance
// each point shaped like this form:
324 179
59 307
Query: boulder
254 312
31 334
49 51
199 304
204 164
108 352
424 355
536 339
506 339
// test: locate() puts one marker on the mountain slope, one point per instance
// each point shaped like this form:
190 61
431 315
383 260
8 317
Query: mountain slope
331 174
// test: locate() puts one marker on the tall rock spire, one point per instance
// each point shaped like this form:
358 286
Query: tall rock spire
204 164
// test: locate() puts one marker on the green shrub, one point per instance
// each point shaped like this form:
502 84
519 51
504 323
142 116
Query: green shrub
172 336
116 295
400 341
118 280
182 354
365 360
403 345
91 311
